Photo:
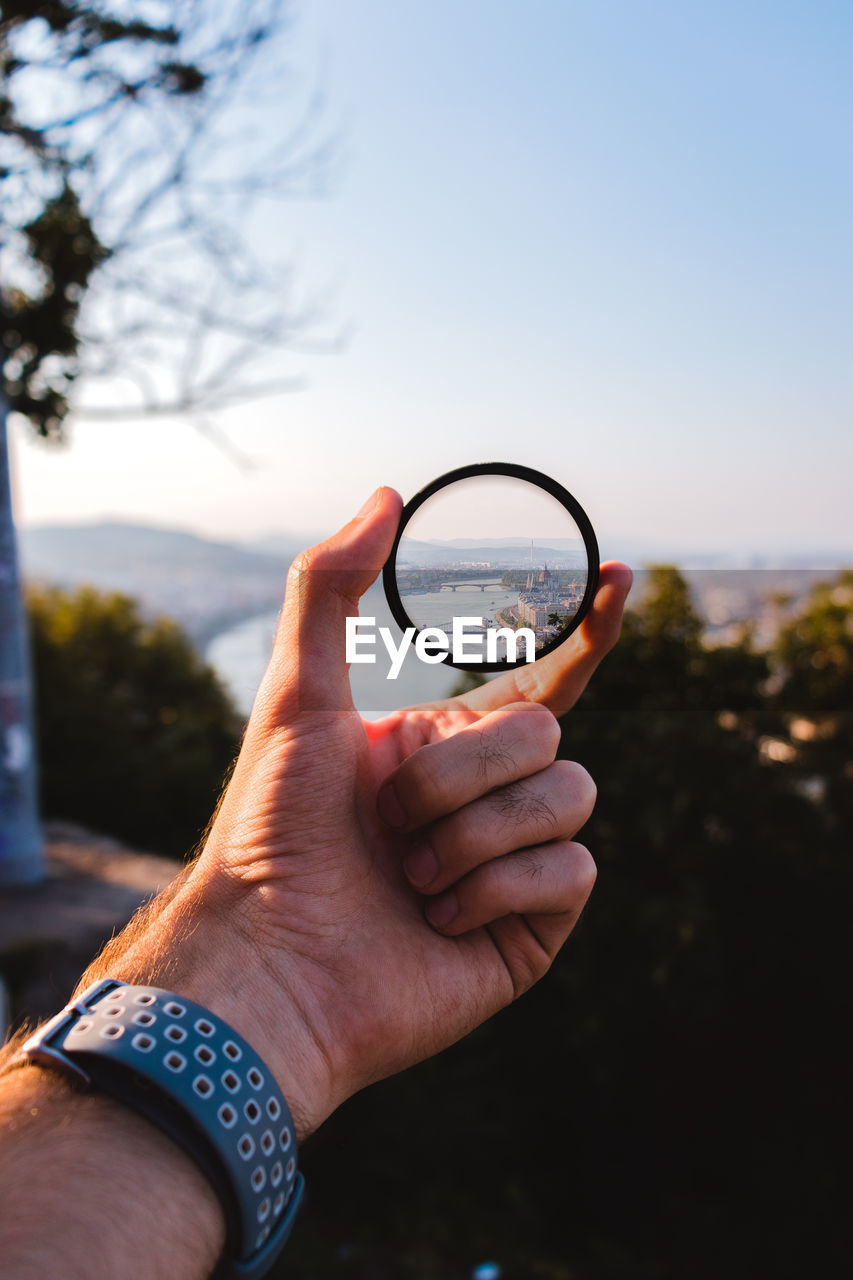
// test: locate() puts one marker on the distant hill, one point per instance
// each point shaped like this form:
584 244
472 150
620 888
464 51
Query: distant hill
563 544
513 553
72 549
288 545
204 584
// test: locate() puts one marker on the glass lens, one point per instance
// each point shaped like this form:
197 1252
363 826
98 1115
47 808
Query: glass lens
498 552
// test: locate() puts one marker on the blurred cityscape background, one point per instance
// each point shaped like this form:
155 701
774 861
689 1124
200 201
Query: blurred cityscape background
258 259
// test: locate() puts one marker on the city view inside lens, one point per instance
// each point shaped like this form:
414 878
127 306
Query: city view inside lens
531 577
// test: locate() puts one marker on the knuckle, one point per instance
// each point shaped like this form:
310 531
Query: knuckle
300 577
529 808
460 839
536 723
311 559
584 870
529 965
531 864
302 563
294 582
421 781
576 779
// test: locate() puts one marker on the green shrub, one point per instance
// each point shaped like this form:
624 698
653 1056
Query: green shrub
135 732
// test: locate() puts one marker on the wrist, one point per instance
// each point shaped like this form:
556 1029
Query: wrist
201 946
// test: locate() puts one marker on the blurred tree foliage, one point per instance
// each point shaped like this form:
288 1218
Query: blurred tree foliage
814 670
666 1104
136 732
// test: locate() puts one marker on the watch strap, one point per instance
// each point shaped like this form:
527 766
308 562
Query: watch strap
203 1084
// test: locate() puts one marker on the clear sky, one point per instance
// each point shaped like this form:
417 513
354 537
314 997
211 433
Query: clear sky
610 239
491 507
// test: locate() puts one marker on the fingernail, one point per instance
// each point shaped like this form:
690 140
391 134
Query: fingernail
372 501
389 808
443 910
421 865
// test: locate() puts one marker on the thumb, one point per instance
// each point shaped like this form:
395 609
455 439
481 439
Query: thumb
308 669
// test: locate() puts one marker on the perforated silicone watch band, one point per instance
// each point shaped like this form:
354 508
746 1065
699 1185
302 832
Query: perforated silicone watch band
192 1075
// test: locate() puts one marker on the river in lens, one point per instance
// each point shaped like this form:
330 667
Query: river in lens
437 608
240 656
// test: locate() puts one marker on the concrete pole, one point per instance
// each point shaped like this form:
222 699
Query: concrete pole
21 858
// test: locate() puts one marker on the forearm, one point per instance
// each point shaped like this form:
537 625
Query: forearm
91 1191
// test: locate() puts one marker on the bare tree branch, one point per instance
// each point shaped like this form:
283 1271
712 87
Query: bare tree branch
152 139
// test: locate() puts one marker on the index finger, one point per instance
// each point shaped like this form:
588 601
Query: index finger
559 679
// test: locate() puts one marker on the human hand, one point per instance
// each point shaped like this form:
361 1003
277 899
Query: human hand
370 892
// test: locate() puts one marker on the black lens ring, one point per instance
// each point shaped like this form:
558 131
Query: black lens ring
516 472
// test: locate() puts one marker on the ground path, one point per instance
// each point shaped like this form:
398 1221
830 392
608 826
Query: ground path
49 932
